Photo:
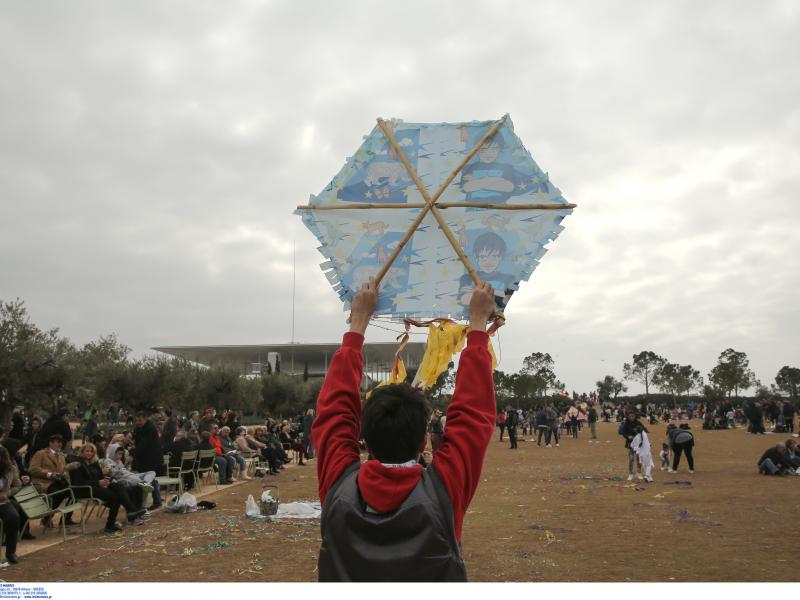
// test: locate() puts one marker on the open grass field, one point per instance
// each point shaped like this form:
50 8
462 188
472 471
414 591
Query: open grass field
540 514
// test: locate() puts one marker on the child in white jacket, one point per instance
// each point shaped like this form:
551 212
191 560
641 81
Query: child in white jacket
641 446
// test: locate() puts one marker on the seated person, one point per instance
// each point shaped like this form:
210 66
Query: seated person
775 461
48 469
261 441
91 480
292 443
230 449
791 452
182 443
10 484
242 444
126 477
224 467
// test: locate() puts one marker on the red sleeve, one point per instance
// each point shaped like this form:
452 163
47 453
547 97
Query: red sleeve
469 426
336 429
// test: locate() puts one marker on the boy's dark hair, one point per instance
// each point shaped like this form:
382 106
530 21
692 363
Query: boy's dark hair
394 421
489 241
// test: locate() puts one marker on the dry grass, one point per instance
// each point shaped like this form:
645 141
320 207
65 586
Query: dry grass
536 517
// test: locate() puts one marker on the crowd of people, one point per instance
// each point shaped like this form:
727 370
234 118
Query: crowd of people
116 463
548 423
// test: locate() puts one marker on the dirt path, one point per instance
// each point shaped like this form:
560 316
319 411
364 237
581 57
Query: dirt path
540 514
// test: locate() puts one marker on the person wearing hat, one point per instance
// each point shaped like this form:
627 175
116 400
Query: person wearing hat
48 473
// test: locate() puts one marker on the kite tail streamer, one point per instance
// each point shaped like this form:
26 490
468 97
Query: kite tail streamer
398 374
446 338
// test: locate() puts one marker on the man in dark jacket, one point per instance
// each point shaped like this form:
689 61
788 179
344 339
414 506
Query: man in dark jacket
512 421
170 429
147 452
775 461
17 425
58 424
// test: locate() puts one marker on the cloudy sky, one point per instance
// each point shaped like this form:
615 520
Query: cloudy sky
151 155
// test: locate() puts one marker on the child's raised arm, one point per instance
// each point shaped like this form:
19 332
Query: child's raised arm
471 414
337 427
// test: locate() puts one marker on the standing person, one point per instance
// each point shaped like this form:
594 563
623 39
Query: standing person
169 431
501 422
58 424
390 519
591 417
192 423
628 430
17 425
681 440
90 430
542 427
572 413
10 484
147 452
512 420
308 423
437 430
29 440
552 423
641 446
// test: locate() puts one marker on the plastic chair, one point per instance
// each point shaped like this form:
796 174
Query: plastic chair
205 467
36 505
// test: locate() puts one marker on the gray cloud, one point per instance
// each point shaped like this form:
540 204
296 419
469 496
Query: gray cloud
151 155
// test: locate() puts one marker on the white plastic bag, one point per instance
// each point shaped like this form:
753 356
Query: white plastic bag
185 504
251 508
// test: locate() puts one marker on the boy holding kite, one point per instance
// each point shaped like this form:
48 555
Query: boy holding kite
390 519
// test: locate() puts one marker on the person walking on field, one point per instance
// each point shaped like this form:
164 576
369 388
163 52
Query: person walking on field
512 420
572 414
542 428
591 417
552 424
501 423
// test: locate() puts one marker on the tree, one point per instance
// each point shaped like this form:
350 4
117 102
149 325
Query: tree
610 385
788 380
732 372
539 367
677 380
33 363
643 368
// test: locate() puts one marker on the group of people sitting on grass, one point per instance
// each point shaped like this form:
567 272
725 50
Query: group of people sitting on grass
781 459
120 469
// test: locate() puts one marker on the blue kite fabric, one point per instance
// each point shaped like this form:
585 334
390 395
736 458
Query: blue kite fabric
427 279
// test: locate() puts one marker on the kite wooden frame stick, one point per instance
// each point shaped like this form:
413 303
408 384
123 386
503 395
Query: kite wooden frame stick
431 200
442 205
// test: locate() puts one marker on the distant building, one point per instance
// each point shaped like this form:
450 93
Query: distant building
295 359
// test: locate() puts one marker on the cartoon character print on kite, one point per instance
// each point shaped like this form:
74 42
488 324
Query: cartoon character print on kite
491 259
489 176
367 258
383 180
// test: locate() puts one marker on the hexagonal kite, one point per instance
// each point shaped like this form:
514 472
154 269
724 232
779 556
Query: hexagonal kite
430 208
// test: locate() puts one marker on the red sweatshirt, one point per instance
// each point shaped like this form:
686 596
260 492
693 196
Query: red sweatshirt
458 462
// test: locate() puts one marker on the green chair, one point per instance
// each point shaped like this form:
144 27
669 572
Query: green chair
205 467
173 477
36 505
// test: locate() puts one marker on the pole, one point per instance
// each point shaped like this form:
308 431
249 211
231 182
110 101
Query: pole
294 277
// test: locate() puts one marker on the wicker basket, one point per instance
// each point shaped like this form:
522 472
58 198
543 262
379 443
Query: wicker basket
269 508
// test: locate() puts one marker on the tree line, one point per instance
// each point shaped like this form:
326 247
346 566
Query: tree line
730 376
43 371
